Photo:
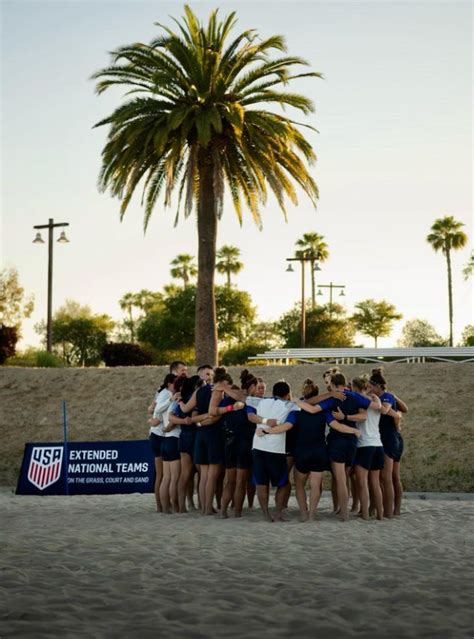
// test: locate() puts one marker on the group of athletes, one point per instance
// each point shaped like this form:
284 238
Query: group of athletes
237 441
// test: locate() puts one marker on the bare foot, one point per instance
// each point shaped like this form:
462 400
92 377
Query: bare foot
268 517
303 517
312 516
280 517
224 514
237 513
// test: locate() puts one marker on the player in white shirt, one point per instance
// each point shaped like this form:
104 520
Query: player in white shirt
273 417
157 435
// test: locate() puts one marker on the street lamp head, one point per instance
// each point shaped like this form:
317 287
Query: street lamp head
316 267
62 238
342 294
320 292
290 269
38 239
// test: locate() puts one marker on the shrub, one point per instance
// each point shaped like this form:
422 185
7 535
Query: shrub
8 340
45 359
124 354
240 353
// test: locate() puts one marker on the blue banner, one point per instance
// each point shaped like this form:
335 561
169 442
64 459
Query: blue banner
87 468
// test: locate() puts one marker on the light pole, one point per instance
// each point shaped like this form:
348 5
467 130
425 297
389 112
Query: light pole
39 240
303 258
332 286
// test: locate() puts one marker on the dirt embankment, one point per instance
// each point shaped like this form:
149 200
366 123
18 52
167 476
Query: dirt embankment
110 404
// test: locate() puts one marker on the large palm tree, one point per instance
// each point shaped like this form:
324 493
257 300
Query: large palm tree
446 235
183 268
228 261
313 246
196 122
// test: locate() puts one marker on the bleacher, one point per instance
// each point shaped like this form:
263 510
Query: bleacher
454 354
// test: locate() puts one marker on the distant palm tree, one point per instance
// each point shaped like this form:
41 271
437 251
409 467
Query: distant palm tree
312 245
183 268
228 261
127 302
445 236
196 121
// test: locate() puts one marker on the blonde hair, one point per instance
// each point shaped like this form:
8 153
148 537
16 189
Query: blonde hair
360 382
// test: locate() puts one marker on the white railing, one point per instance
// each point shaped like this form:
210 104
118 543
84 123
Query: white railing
457 354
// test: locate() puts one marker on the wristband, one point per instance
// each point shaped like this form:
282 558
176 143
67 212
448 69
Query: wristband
264 421
229 408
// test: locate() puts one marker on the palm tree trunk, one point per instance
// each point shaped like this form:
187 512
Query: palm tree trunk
313 292
205 321
132 335
375 340
228 279
450 296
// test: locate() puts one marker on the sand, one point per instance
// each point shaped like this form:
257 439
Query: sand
110 404
109 566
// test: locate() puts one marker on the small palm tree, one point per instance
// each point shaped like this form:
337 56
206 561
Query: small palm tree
446 235
201 116
228 261
312 245
127 302
184 268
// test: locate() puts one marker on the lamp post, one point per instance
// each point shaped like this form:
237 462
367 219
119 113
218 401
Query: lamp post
332 286
39 240
303 258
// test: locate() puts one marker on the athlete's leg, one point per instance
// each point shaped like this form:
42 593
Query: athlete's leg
229 490
164 488
300 481
340 478
175 468
376 492
316 482
184 480
362 475
240 487
397 488
387 483
158 479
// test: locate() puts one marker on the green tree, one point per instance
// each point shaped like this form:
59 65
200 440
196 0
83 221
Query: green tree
14 307
228 261
467 337
326 327
199 123
312 245
418 332
468 270
183 268
78 334
446 236
171 329
375 319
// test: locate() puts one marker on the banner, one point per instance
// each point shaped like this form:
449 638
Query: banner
87 468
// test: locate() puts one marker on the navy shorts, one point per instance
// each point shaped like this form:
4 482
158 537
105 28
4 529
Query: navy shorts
209 445
156 443
342 450
187 440
170 449
269 467
312 460
370 457
237 450
392 443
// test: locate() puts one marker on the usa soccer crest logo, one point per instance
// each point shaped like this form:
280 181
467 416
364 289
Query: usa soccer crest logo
45 466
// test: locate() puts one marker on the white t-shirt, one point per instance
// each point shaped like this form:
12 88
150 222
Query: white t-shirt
163 403
272 408
370 430
177 429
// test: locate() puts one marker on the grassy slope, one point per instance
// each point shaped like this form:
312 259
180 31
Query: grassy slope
108 404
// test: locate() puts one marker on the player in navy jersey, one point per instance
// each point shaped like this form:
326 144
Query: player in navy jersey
342 438
186 439
392 442
238 437
310 450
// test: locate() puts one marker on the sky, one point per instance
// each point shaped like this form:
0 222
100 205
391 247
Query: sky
394 115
